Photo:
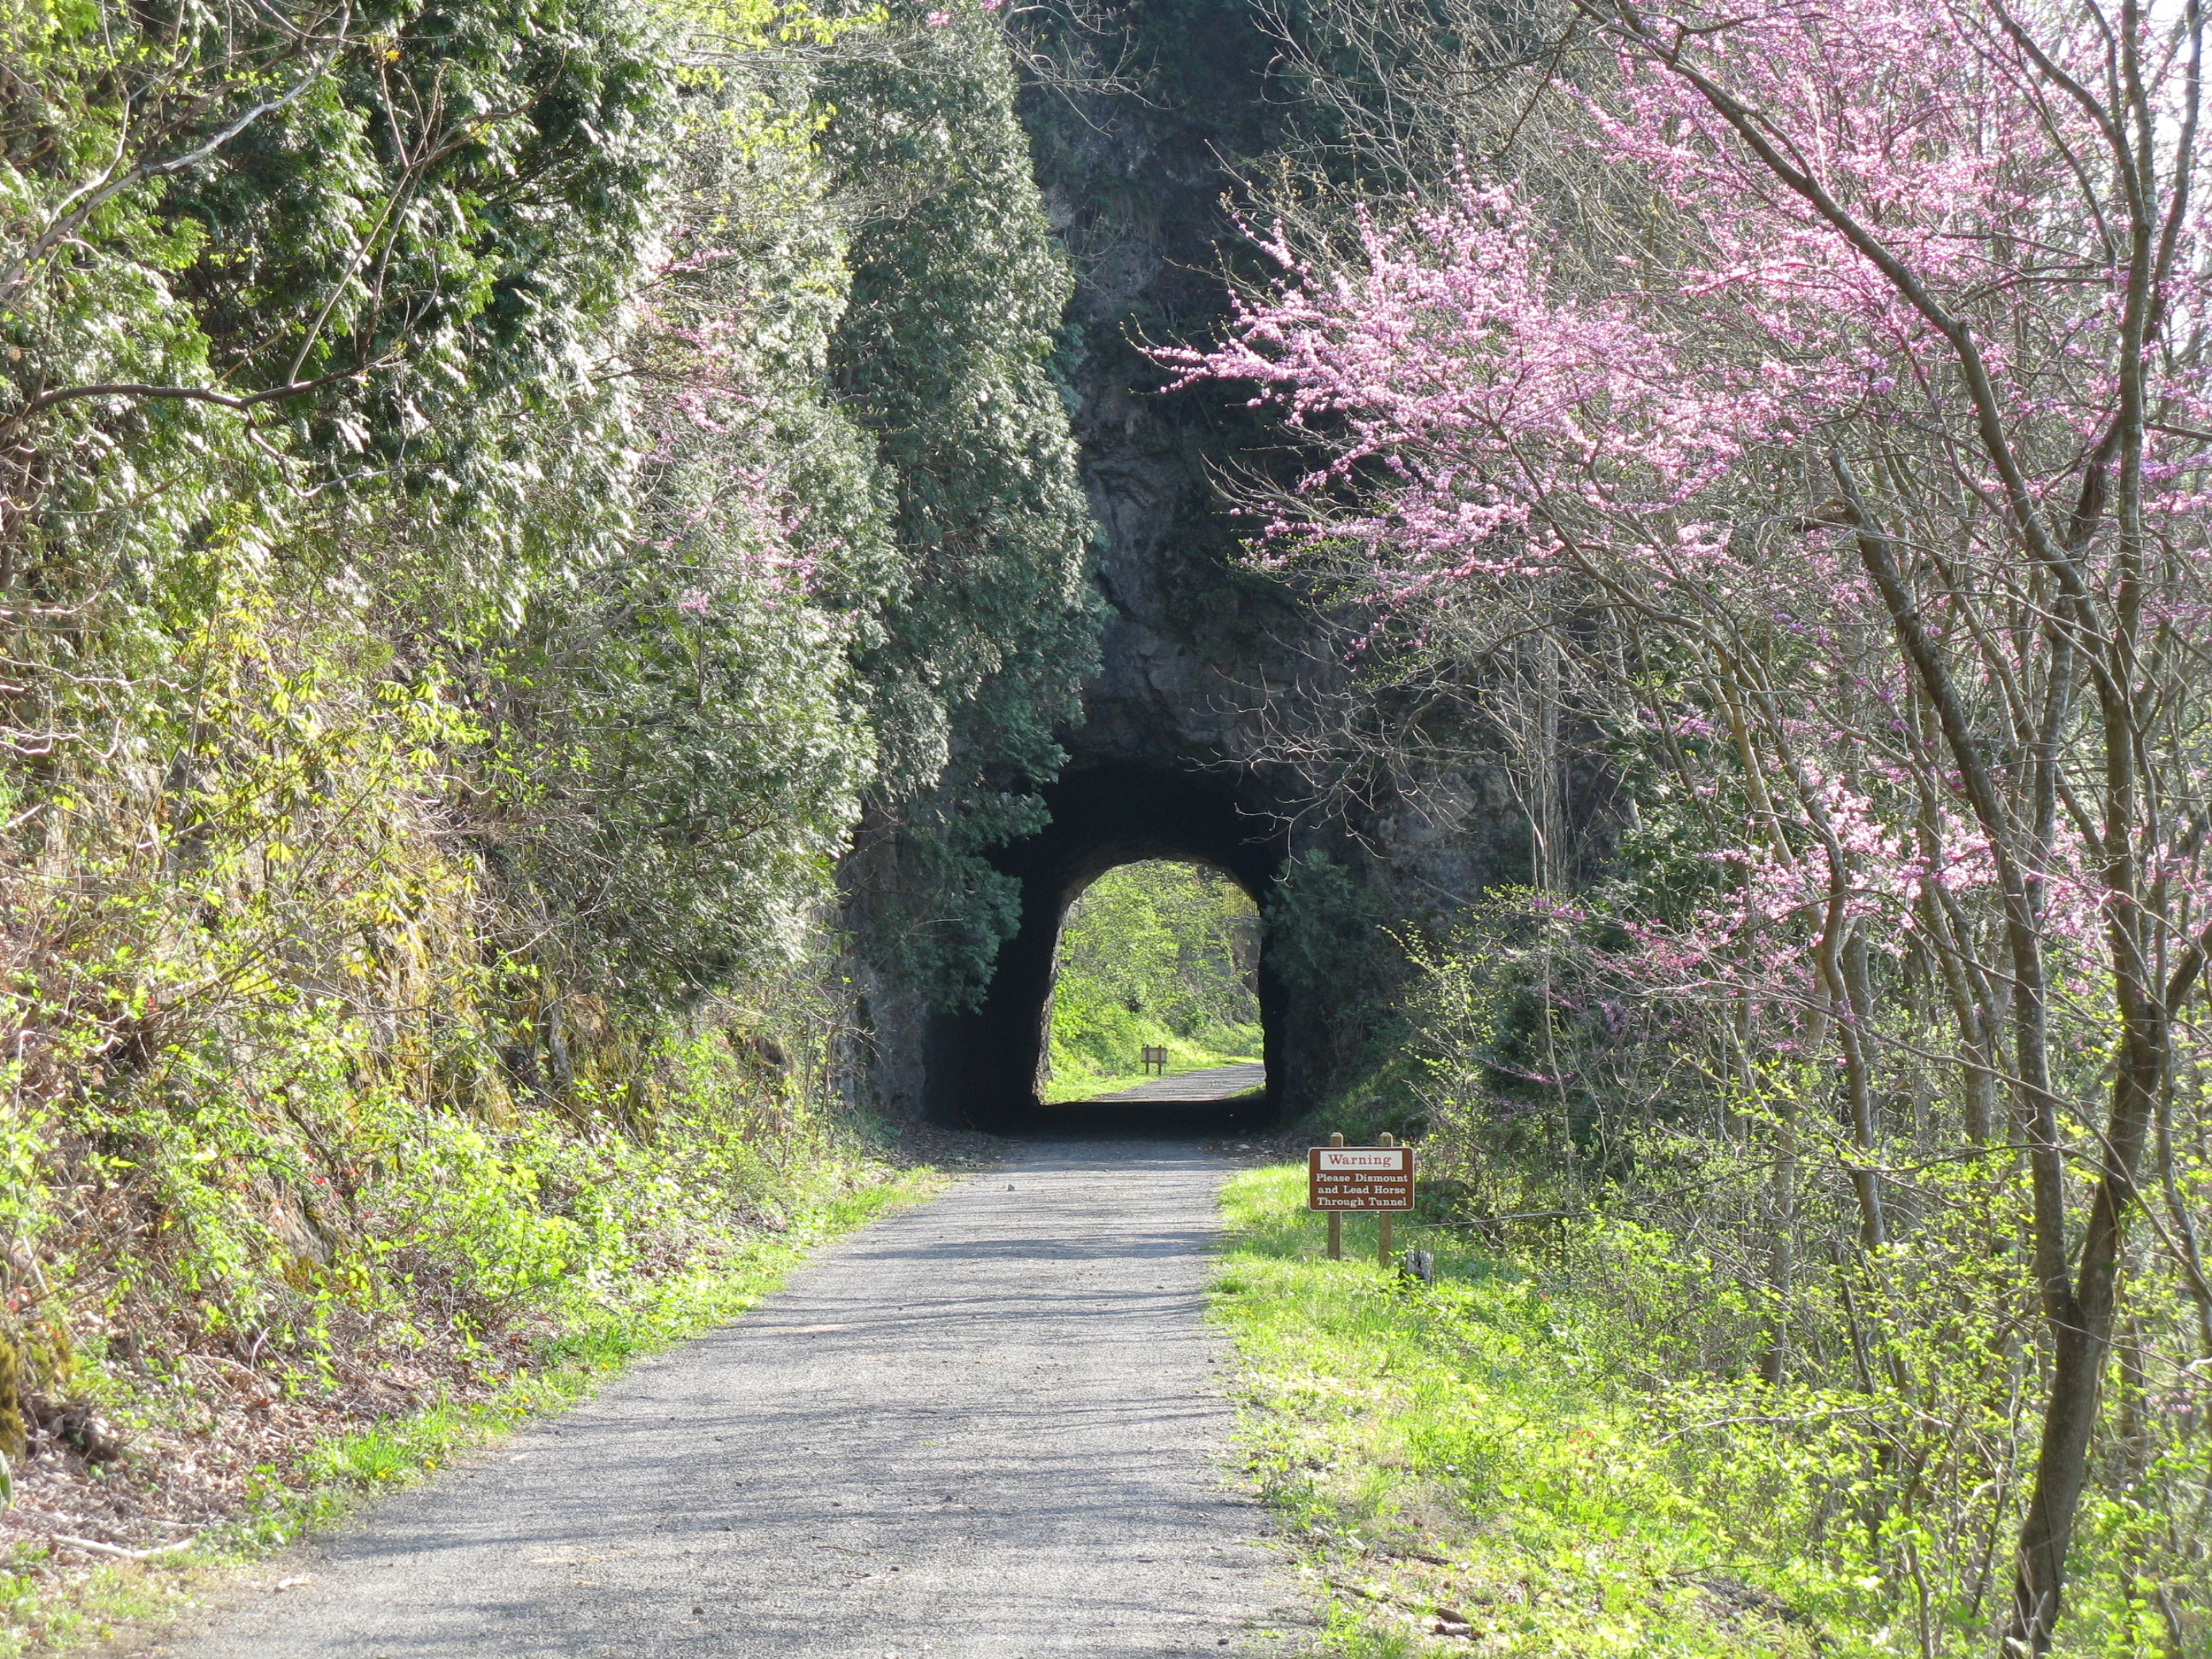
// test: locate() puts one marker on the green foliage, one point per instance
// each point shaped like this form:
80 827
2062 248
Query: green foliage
1856 1411
682 735
1462 1449
1329 944
488 496
1322 925
419 223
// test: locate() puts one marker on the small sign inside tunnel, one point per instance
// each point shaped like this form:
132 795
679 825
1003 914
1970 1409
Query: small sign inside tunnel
1360 1178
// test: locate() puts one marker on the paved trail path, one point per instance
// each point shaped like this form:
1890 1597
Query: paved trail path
988 1428
1219 1083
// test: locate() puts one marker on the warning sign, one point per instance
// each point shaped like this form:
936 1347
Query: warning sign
1360 1178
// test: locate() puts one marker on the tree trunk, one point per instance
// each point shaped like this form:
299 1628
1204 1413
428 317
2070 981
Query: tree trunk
2081 1330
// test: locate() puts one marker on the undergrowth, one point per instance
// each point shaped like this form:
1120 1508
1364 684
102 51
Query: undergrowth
1458 1474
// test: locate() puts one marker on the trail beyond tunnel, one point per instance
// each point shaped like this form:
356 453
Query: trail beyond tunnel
1221 1101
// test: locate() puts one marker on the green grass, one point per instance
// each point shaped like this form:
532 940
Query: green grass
1387 1422
594 1341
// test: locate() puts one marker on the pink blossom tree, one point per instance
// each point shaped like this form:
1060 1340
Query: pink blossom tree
1882 336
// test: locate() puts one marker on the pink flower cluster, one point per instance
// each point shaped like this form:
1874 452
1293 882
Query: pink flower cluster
1891 231
742 527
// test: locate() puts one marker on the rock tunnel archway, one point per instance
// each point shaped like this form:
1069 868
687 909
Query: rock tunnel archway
983 1066
1206 664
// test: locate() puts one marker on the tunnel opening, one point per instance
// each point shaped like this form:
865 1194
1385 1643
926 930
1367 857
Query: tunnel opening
1154 990
983 1068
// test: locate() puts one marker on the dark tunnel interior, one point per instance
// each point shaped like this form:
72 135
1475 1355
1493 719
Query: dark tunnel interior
983 1066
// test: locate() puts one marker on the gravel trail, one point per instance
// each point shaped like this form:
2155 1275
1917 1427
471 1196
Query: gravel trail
988 1428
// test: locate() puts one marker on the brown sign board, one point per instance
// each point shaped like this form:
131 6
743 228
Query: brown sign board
1359 1177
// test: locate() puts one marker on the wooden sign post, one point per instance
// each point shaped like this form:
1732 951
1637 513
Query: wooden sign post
1379 1179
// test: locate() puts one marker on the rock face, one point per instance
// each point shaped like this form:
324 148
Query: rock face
1135 185
1167 760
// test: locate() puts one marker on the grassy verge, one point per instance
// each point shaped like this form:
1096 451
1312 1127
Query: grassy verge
1442 1456
114 1607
